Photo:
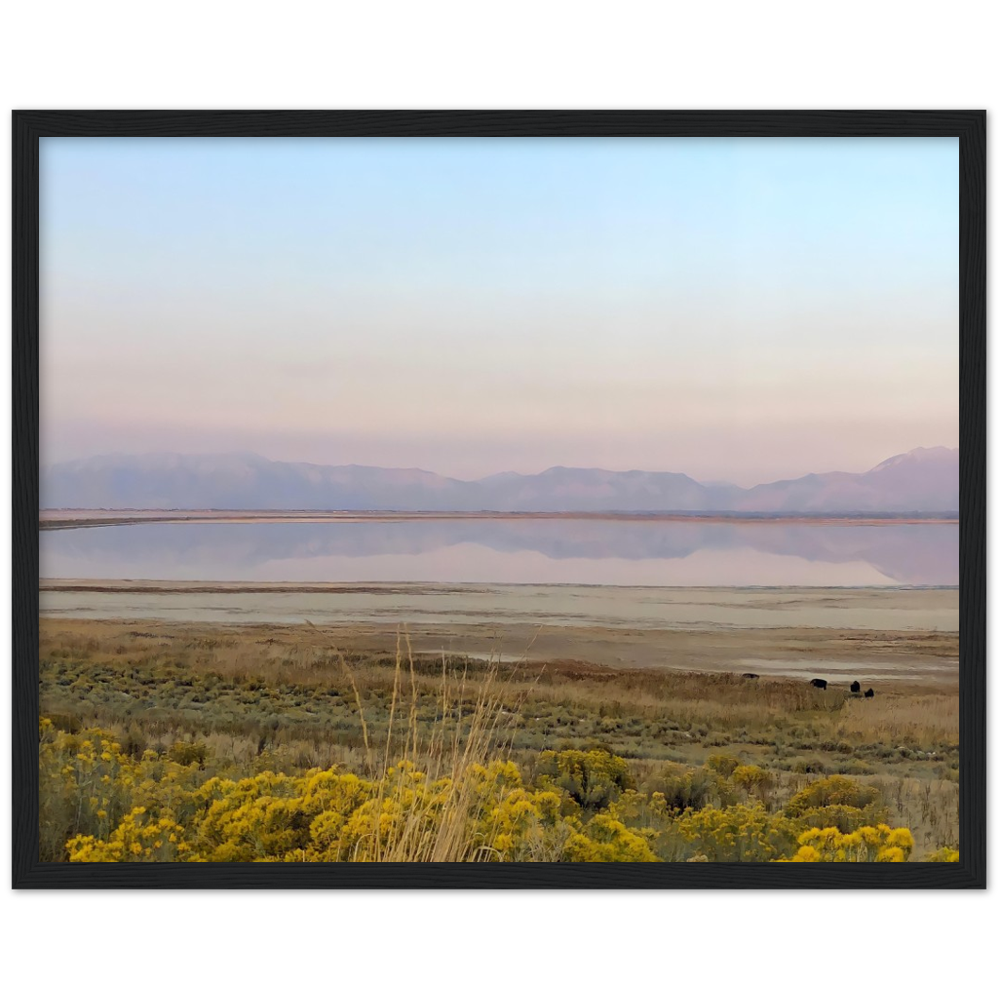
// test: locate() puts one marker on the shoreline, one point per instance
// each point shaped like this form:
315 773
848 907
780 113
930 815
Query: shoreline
148 586
64 519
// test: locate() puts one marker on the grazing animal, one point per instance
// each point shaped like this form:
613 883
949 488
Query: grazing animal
818 682
855 688
870 693
752 677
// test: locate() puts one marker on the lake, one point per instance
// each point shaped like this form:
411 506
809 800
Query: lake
586 551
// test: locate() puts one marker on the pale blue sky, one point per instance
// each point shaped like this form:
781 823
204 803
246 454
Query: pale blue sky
737 309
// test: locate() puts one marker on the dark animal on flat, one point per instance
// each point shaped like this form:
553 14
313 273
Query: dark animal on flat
752 677
818 682
869 693
855 688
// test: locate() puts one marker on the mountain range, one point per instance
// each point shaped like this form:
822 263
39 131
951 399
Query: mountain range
924 480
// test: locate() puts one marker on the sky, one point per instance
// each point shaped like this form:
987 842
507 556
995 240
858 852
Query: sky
741 310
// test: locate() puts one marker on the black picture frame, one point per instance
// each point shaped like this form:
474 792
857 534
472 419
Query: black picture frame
970 129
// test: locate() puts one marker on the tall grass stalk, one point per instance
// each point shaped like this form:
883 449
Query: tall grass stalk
440 821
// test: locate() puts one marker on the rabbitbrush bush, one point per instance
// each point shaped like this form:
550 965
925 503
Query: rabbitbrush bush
98 804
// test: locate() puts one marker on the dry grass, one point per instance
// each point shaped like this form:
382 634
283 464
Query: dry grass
286 697
903 718
433 828
723 703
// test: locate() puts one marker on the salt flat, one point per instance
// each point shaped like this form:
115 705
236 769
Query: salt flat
907 634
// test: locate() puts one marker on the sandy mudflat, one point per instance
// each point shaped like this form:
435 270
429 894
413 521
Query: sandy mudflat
880 633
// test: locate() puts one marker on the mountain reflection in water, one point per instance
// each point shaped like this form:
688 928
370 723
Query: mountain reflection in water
603 552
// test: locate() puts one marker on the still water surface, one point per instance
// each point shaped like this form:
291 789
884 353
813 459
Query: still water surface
608 553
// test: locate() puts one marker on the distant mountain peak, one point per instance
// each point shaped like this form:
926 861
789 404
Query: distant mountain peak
937 453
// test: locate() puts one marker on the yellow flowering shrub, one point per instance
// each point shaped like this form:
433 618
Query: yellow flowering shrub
330 797
605 838
738 833
647 810
752 779
137 838
837 802
523 826
259 817
85 783
402 814
722 763
868 843
165 787
655 818
98 803
945 854
836 790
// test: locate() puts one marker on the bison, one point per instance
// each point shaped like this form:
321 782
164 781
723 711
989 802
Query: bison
818 682
855 688
870 693
752 677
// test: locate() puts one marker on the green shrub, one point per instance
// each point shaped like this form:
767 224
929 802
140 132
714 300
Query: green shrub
691 788
722 763
188 753
592 778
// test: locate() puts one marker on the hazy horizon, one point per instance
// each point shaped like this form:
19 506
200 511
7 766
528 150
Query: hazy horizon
744 310
497 472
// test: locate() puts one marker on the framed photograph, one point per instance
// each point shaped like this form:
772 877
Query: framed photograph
506 499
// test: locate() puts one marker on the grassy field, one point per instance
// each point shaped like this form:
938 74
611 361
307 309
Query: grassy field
235 703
